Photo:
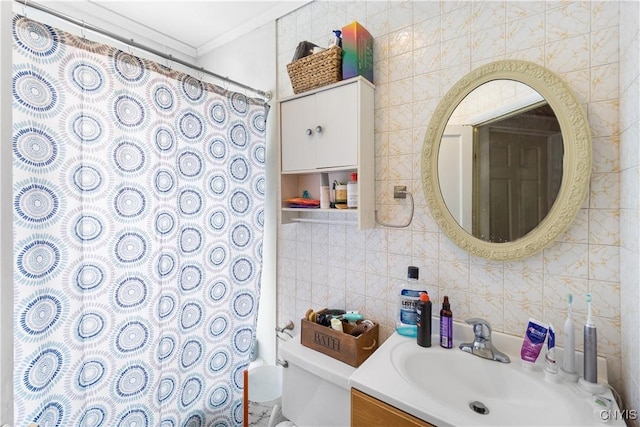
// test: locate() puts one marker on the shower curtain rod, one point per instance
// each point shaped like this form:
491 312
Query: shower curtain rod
131 42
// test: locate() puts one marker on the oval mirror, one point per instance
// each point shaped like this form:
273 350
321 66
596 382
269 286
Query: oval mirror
506 161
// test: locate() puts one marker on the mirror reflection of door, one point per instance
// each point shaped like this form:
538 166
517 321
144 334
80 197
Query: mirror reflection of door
517 173
455 168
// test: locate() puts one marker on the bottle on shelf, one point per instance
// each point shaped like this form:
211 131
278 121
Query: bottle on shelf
352 192
340 195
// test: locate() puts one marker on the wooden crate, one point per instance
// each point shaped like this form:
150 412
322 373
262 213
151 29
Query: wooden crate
340 345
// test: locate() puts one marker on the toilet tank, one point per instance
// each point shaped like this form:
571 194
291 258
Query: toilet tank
315 387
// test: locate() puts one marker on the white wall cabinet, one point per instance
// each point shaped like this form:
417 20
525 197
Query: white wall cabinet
328 131
320 130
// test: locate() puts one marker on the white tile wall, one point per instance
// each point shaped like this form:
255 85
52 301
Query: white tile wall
421 50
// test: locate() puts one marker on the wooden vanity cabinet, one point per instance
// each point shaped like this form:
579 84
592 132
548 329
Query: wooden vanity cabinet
367 411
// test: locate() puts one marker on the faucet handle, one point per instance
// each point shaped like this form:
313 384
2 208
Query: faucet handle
481 328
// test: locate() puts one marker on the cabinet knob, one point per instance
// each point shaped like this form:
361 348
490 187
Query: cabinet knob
308 131
319 129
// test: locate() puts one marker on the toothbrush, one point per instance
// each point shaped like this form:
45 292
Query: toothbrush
569 359
590 347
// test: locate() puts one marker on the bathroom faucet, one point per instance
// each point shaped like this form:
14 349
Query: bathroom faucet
481 345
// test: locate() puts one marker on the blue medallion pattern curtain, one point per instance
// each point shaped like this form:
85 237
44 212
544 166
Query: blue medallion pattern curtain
138 220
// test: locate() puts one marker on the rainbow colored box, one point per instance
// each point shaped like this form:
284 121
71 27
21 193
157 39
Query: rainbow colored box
357 52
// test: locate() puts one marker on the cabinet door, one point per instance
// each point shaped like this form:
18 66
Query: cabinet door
336 144
297 146
367 411
320 130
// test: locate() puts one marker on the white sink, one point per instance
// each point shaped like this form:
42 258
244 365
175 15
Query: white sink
440 385
506 390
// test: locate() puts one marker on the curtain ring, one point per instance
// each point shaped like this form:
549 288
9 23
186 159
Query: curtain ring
84 37
131 47
24 8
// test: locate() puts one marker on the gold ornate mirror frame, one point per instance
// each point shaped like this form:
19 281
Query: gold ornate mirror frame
576 162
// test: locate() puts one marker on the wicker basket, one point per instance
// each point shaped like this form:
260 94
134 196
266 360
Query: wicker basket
319 69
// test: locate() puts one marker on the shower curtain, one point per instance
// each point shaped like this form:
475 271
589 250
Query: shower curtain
138 223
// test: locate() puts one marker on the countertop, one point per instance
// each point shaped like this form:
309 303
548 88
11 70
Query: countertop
378 377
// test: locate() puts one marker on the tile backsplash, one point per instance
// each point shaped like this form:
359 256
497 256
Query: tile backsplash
421 49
